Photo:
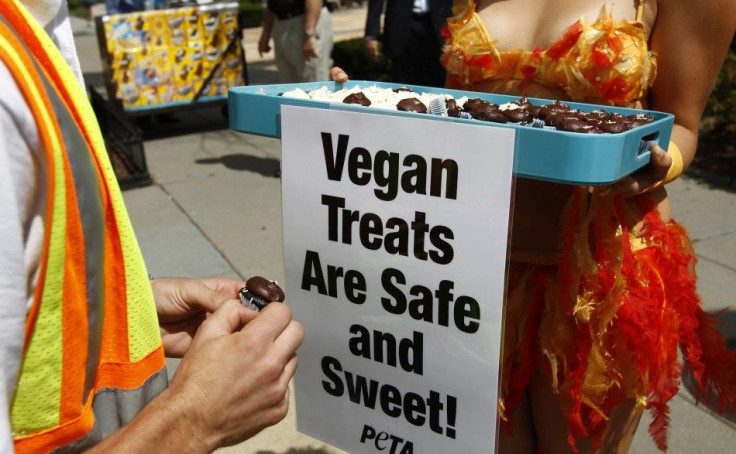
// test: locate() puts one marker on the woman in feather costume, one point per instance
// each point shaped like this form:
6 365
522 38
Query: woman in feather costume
602 297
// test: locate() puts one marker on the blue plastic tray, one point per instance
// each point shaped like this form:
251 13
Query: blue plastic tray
551 155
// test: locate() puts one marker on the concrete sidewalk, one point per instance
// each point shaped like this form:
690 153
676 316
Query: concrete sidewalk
214 210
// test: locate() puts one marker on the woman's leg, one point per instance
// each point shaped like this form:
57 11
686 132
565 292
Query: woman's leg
524 438
551 425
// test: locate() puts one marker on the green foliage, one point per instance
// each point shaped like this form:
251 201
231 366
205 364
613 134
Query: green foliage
251 14
722 103
349 56
76 8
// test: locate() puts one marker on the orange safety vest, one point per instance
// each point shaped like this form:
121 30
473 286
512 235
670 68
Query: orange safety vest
92 355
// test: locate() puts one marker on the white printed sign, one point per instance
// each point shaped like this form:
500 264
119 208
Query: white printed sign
395 236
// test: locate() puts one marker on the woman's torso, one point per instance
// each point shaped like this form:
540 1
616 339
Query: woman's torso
531 24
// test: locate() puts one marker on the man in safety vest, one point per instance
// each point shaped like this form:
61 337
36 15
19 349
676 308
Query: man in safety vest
83 332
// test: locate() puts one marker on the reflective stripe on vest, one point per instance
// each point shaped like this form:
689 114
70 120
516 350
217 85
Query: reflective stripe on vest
92 330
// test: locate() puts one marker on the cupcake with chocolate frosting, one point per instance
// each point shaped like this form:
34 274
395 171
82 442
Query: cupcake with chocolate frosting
411 105
486 111
453 110
357 98
518 115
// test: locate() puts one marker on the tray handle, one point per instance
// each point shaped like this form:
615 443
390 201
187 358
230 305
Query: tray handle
643 154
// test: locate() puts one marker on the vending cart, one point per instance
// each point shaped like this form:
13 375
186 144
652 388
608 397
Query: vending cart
171 59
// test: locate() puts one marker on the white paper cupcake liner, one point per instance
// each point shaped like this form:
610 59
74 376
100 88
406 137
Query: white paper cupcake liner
438 106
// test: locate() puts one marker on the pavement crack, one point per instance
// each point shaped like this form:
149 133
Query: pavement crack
716 262
201 231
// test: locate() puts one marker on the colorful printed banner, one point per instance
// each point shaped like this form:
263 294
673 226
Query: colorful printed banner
174 56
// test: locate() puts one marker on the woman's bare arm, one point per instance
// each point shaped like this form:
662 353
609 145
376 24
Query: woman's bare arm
691 40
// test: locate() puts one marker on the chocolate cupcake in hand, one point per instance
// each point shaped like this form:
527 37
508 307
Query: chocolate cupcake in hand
259 292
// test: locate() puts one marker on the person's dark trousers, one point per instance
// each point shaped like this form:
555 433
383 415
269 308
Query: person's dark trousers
419 63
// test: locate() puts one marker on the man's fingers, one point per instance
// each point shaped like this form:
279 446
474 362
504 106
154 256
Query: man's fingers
202 296
290 339
210 294
227 319
227 287
274 325
271 321
338 75
289 371
263 49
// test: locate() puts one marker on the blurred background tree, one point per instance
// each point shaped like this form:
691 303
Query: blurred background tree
715 160
721 109
350 56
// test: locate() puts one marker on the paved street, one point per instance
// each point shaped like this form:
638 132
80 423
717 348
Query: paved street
214 209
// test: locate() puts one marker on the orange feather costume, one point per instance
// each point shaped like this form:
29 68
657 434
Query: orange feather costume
606 322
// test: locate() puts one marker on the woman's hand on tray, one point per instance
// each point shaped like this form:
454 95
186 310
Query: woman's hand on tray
647 177
338 75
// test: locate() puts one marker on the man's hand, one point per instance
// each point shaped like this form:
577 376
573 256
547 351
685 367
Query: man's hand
309 48
645 178
233 382
370 46
264 45
183 304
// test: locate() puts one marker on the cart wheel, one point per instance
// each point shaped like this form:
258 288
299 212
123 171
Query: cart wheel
225 112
